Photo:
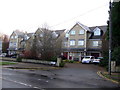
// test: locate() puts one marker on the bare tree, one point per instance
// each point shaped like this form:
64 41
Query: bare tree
33 49
46 44
5 43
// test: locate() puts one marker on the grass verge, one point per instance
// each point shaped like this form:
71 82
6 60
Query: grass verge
7 63
113 76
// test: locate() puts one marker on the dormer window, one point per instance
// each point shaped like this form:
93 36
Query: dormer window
97 32
57 35
72 32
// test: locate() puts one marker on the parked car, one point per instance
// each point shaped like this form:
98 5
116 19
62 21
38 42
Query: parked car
12 55
97 60
3 55
88 59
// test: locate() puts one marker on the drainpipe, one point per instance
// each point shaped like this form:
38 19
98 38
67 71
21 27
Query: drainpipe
85 43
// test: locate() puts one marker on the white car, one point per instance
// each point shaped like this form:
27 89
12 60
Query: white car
97 60
88 59
3 55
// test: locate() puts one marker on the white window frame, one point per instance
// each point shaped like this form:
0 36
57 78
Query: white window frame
97 32
12 37
66 35
72 42
81 42
41 35
81 31
15 44
95 43
15 37
65 44
11 44
72 32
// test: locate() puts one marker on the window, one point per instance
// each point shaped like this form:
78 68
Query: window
12 37
95 43
72 32
65 44
41 35
97 32
66 35
27 37
72 42
11 42
81 42
15 36
15 44
81 31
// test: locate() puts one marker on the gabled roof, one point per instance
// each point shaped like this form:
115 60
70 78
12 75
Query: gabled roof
19 33
81 25
59 31
39 29
30 34
103 28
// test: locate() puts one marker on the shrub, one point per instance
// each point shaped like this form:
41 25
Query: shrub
62 64
116 55
103 62
66 60
19 59
71 61
54 59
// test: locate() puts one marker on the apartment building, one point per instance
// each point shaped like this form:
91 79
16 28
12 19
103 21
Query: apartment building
81 40
77 42
17 42
23 42
38 37
14 41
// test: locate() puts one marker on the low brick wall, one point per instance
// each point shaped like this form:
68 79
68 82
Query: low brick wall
29 60
118 69
8 59
114 68
36 61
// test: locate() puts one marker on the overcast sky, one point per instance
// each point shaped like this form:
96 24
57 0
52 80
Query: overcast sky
28 15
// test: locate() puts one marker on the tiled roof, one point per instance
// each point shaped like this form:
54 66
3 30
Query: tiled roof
103 28
83 26
30 34
19 33
59 31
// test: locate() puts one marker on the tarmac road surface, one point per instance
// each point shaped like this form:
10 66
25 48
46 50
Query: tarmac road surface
71 76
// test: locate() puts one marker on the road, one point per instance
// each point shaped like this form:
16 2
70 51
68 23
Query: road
71 76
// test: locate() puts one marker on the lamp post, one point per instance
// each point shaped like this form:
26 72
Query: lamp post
110 38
